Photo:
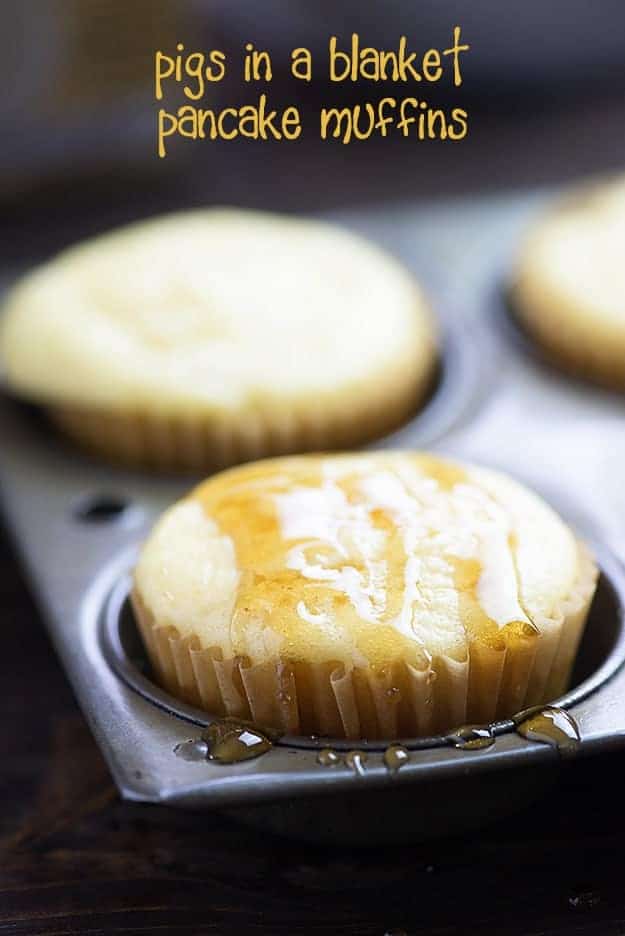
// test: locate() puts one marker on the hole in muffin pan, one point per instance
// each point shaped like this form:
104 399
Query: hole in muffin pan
601 654
100 508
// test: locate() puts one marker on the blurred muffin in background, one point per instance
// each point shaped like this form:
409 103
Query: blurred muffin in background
197 340
568 288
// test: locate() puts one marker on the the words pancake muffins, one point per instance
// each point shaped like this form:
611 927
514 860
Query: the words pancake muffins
374 595
202 339
569 286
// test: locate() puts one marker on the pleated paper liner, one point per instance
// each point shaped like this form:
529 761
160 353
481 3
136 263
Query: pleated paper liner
197 442
299 698
586 348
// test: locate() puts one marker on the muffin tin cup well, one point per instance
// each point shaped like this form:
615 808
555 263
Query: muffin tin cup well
439 790
600 656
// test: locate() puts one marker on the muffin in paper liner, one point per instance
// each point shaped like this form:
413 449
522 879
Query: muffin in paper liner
197 441
198 340
499 673
568 283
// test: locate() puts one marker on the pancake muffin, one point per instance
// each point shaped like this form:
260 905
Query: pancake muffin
198 340
569 284
372 595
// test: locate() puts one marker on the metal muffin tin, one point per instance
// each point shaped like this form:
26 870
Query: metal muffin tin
78 524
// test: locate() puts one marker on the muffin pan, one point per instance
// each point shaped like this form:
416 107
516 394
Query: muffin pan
78 524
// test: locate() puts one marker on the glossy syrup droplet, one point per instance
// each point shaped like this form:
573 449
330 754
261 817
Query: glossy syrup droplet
193 750
356 760
550 725
395 757
393 693
231 741
328 758
472 737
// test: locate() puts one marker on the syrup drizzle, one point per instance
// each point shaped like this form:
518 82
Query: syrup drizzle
231 741
549 725
472 737
343 538
328 758
395 757
356 760
227 741
195 749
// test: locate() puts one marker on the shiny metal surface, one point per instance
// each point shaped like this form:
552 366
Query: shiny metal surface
497 404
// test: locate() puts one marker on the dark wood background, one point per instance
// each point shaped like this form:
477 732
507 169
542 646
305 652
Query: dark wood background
74 859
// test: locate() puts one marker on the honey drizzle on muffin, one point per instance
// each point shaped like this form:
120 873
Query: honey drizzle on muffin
353 539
